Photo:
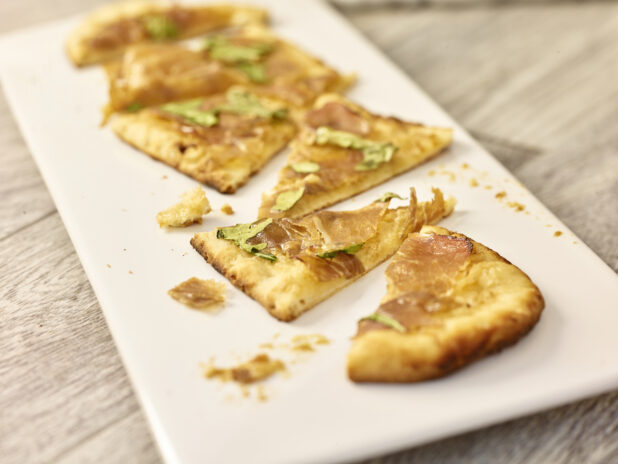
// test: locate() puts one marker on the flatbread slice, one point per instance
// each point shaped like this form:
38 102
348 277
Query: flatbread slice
290 265
107 32
450 301
219 140
343 150
155 73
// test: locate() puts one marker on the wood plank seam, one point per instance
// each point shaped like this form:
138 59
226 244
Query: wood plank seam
25 226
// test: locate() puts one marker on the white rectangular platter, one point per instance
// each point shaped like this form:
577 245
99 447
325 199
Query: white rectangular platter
108 194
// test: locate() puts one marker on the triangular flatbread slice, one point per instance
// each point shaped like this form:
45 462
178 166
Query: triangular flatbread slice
108 31
219 140
343 150
151 74
290 265
449 302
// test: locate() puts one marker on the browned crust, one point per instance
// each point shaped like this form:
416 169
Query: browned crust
440 354
219 266
247 287
161 141
287 288
396 167
296 289
301 212
207 178
82 53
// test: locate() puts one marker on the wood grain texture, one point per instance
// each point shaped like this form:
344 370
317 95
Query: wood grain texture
535 83
24 197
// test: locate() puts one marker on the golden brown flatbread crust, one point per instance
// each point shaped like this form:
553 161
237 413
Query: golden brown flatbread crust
155 73
337 178
289 287
458 300
108 31
224 158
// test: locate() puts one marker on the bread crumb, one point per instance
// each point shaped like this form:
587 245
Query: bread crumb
257 369
488 187
474 183
558 233
500 195
516 206
465 166
109 266
318 339
431 173
451 175
303 347
199 294
130 271
163 177
227 209
193 205
261 394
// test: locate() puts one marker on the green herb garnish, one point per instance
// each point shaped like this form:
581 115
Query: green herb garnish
286 200
240 233
134 107
221 49
254 71
242 102
374 153
244 57
388 195
386 320
238 102
191 111
304 167
160 27
347 250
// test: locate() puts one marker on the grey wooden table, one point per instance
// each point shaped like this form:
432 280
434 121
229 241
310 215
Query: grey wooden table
535 82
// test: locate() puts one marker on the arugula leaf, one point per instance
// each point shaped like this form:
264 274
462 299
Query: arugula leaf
374 153
160 27
221 49
238 102
325 135
134 107
387 321
240 233
254 71
242 102
350 250
286 200
267 256
244 57
190 110
305 167
388 195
